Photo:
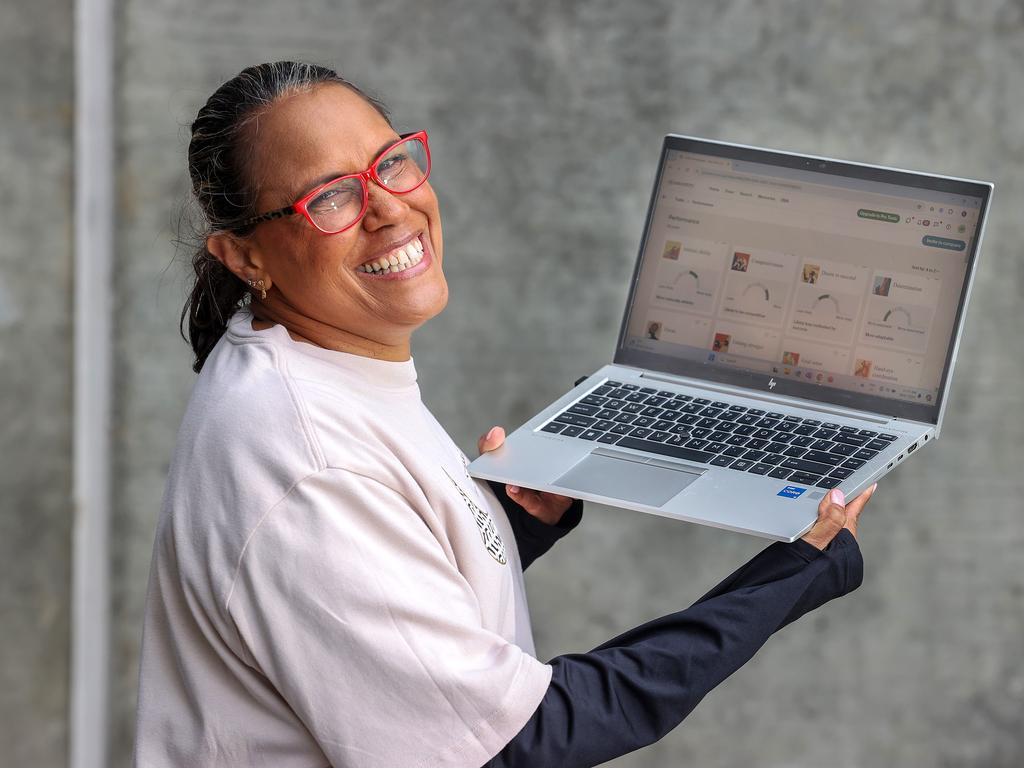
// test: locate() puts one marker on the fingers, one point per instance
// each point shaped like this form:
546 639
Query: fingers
855 507
831 519
547 507
493 439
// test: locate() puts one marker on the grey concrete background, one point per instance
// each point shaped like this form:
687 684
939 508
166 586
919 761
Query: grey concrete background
35 380
545 122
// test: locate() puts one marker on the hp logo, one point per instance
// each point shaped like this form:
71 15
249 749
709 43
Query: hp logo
771 383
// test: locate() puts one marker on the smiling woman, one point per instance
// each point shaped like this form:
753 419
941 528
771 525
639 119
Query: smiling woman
329 586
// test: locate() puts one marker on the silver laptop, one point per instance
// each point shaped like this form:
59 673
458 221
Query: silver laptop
791 327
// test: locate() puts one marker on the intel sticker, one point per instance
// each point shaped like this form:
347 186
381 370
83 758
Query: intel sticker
791 491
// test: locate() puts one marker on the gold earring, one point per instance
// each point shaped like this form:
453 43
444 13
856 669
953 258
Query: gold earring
260 286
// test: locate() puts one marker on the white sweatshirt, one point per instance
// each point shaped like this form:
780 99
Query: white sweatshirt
328 586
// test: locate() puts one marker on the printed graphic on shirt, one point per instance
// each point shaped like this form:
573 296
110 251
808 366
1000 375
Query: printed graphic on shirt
488 531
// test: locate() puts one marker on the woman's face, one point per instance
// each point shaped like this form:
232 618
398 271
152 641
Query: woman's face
308 138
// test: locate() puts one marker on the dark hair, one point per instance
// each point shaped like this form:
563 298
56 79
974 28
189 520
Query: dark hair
222 187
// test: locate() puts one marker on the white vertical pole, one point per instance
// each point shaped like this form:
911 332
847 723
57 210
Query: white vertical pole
93 248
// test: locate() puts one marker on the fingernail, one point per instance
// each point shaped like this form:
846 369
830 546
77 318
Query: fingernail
837 497
490 434
873 487
513 489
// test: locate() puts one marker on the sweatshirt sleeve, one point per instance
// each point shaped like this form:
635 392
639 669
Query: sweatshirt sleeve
535 537
632 690
345 602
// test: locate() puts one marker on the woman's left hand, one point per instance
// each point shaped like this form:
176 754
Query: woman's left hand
546 507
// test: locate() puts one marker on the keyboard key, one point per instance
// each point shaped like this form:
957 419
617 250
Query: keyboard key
828 482
767 423
784 427
802 441
655 401
701 401
782 437
756 443
640 432
773 415
812 422
690 408
760 469
711 412
802 465
629 386
728 416
650 410
648 390
773 459
865 453
604 425
735 450
822 445
823 457
876 445
718 436
771 447
747 418
636 397
606 413
591 434
622 429
632 408
841 472
715 447
604 389
672 405
805 429
804 478
867 433
575 419
666 394
662 425
615 405
886 436
625 418
700 432
827 425
795 452
687 418
571 431
847 429
848 439
722 461
661 437
643 421
554 427
707 422
618 394
755 412
780 473
593 399
843 450
764 434
741 464
697 444
680 429
755 455
854 463
719 404
609 438
737 408
745 429
737 440
682 398
664 449
825 434
793 419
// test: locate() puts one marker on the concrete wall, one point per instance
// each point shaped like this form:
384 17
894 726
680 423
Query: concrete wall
35 380
545 122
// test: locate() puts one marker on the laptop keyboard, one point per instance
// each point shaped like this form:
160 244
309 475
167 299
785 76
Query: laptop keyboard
719 434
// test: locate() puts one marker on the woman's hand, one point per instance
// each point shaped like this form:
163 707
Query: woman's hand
546 507
834 514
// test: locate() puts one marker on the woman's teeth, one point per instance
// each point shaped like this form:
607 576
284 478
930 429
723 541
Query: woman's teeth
409 255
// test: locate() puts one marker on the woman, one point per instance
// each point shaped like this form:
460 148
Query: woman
329 586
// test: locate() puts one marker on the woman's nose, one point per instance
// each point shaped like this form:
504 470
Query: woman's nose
383 208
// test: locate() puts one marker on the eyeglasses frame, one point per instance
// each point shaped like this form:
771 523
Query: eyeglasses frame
370 174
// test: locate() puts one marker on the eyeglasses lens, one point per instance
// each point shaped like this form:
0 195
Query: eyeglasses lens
404 168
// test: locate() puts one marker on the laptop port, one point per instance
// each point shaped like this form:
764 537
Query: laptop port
911 449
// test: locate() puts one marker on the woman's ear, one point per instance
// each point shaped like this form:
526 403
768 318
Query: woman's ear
233 252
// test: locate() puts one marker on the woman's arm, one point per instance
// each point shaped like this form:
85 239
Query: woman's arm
632 690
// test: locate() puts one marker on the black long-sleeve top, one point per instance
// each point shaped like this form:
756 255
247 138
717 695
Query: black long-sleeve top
632 690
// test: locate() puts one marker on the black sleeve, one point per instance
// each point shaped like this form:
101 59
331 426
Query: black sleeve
632 690
534 537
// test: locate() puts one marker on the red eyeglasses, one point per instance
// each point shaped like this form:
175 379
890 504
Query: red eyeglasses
340 203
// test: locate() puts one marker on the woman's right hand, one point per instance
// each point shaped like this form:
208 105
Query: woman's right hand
834 514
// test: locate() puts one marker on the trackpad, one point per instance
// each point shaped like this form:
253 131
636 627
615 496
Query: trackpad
626 480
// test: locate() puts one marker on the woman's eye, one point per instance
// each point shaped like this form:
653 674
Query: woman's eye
391 165
331 199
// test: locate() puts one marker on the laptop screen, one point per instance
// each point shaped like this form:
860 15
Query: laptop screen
821 279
